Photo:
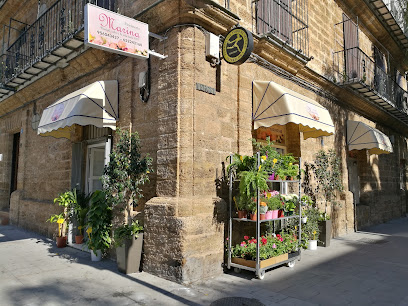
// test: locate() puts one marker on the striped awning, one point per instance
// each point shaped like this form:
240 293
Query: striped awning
275 104
361 136
95 104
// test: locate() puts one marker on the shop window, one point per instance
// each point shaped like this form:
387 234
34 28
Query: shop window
276 134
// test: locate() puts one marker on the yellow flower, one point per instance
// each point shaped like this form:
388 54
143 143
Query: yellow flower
259 168
269 195
89 230
147 171
275 160
290 164
263 157
295 227
241 158
60 220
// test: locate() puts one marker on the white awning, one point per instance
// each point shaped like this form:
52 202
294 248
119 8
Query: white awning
275 104
95 104
360 136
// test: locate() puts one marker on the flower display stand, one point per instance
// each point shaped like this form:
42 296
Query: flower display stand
260 266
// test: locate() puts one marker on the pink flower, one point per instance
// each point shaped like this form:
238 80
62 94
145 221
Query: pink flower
243 243
121 44
98 41
274 246
246 237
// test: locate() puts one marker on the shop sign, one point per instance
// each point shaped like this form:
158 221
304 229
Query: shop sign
115 33
205 88
237 46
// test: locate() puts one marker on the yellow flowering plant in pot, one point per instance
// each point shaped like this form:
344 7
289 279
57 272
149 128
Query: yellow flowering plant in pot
67 201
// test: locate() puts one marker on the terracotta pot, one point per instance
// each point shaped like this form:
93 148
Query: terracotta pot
252 217
61 242
79 239
262 217
242 214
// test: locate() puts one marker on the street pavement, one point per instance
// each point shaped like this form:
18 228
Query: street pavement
363 268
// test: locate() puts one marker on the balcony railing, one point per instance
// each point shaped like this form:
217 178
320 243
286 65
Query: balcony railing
46 38
286 20
354 68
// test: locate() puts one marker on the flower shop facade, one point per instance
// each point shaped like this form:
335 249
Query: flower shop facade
193 111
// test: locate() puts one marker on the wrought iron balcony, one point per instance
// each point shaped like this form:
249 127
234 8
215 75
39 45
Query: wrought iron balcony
392 14
358 71
284 20
55 37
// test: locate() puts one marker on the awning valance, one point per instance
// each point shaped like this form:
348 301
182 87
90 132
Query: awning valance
95 104
360 136
275 104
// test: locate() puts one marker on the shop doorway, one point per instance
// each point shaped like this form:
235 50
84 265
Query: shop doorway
95 166
14 162
354 181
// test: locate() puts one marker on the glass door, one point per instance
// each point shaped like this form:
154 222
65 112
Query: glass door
95 166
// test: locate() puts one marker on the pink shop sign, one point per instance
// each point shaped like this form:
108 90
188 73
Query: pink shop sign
112 32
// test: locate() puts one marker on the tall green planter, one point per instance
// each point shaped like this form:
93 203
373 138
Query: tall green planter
325 228
129 255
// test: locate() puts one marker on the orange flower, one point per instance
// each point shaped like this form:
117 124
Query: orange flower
263 204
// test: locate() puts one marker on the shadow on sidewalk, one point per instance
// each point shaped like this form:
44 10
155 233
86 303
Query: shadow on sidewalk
60 291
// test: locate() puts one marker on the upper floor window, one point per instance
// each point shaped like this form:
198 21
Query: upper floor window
107 4
285 20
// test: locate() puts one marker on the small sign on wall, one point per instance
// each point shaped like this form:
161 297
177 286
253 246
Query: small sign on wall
205 88
115 33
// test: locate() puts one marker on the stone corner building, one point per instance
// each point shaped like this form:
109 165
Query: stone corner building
191 112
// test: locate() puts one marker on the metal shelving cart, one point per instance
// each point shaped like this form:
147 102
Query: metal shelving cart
261 269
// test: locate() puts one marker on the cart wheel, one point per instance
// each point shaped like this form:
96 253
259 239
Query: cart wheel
261 274
237 270
291 264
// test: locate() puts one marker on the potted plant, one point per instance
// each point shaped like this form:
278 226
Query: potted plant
67 201
81 209
310 230
274 204
61 238
290 203
241 203
99 225
325 228
263 208
123 177
128 240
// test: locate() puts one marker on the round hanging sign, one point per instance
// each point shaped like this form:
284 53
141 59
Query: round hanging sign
237 46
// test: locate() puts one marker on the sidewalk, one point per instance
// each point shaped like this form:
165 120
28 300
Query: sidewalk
365 268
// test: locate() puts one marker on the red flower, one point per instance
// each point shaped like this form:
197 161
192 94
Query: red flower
264 241
246 237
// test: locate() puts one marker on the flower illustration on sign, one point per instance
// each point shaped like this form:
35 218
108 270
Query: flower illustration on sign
312 110
57 112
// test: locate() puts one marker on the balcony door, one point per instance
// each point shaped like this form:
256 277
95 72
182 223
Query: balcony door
351 49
